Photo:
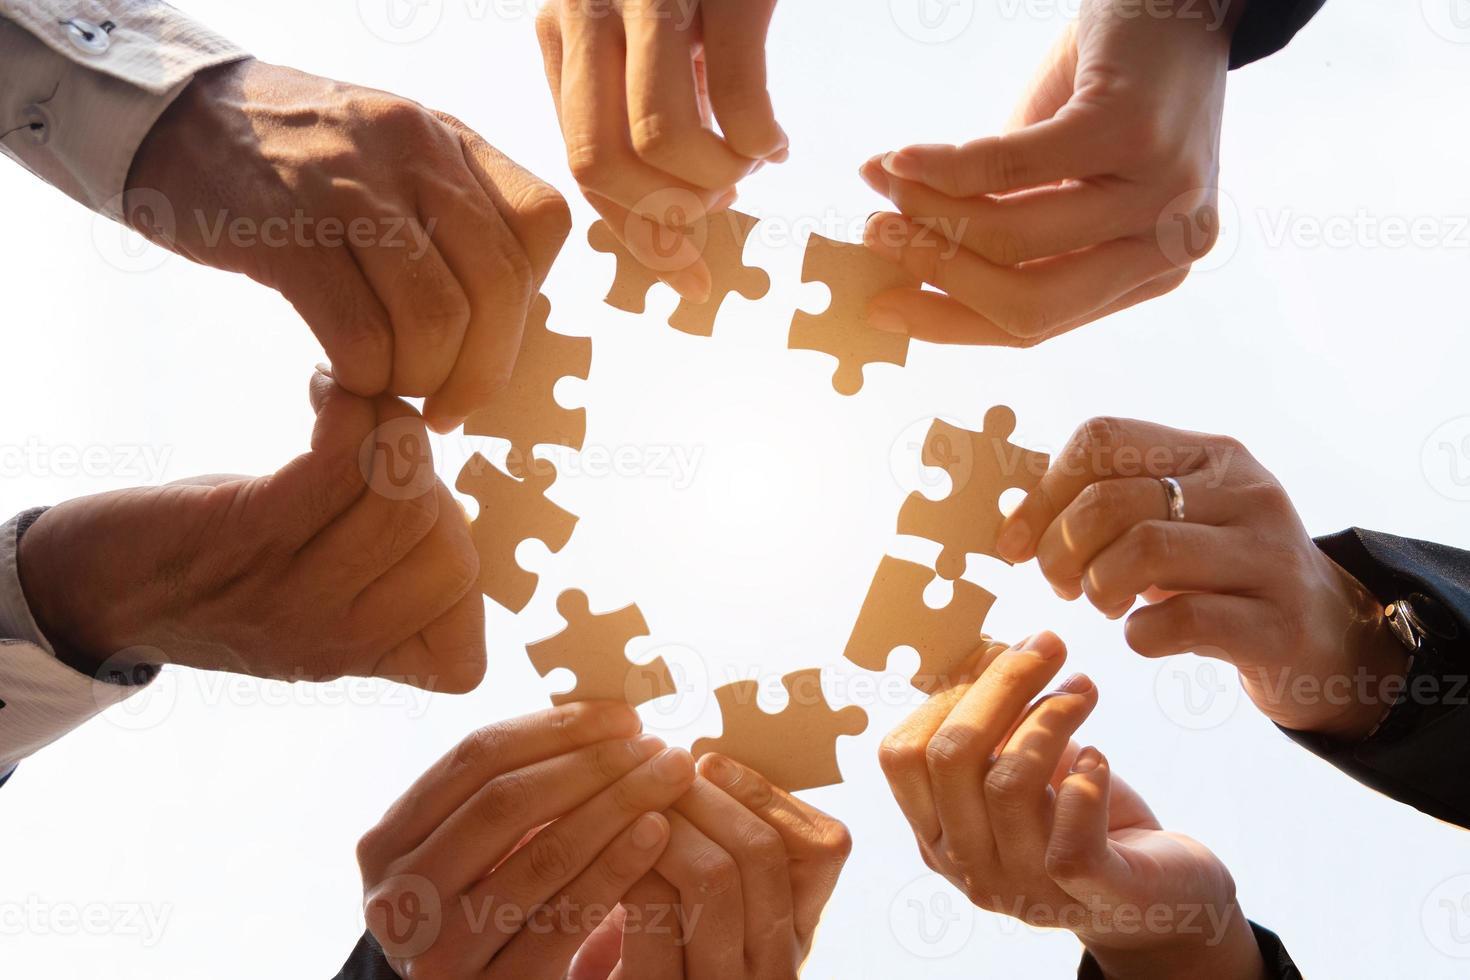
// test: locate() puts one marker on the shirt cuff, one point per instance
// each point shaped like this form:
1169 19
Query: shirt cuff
41 699
82 83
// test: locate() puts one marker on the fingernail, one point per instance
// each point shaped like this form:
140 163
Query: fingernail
1087 760
1044 649
886 320
325 369
719 771
1014 539
648 746
1076 684
673 766
903 167
648 832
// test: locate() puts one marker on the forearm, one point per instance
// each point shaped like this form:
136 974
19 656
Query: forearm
1227 952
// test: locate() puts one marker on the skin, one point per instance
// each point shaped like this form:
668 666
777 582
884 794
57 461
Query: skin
353 559
411 247
639 86
748 870
504 857
1026 823
1100 195
1239 579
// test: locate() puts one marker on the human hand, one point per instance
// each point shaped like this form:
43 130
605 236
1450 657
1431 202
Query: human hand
738 893
638 85
351 560
1004 805
504 857
411 247
1239 579
1100 196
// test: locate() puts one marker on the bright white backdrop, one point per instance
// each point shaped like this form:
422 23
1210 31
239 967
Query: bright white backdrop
209 831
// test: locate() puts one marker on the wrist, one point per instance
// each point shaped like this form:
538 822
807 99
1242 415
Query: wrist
1223 947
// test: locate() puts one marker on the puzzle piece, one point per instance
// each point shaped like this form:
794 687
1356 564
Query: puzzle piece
854 274
525 411
982 466
723 236
511 511
895 615
796 749
594 648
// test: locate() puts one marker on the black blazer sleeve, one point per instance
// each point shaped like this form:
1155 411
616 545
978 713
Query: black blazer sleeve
1279 965
1420 752
1267 26
367 962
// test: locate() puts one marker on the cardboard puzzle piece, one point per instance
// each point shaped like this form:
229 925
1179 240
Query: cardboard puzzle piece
895 615
594 647
724 236
795 749
511 511
525 412
982 466
854 274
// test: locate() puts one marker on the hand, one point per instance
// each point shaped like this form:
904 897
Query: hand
638 85
738 893
1239 579
1007 808
1100 196
353 559
410 246
504 857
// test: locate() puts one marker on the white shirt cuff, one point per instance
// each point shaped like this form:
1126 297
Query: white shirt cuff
77 99
42 697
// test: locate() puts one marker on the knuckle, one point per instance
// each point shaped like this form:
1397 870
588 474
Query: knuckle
898 757
479 753
549 212
1007 782
550 857
505 799
591 164
715 873
1002 246
401 113
626 798
946 753
1153 542
836 841
370 848
657 139
763 850
1066 863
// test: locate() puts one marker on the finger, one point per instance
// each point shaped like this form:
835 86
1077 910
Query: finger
599 955
653 948
1024 226
328 288
664 113
1205 624
1101 448
1078 856
490 752
315 488
1018 784
1052 85
447 656
902 759
1069 145
761 861
735 66
547 864
670 253
1175 558
1102 511
440 570
958 756
708 883
424 301
817 844
545 952
1029 301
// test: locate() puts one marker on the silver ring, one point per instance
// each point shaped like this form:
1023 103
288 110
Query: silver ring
1174 494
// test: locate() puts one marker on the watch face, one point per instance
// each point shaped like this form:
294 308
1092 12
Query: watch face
1427 615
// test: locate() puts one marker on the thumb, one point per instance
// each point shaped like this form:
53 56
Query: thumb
1052 85
1078 856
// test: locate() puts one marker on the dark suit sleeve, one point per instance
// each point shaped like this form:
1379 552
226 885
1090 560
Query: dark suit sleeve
367 962
1273 953
1267 26
1419 753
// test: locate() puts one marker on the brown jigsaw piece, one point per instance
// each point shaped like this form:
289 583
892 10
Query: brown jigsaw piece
526 411
895 615
511 511
595 649
795 749
982 466
854 274
723 237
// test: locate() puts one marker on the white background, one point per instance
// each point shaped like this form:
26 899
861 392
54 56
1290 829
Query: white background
230 810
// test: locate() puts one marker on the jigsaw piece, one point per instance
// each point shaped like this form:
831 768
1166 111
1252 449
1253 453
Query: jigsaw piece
854 274
895 615
595 649
723 237
796 749
511 511
982 466
525 411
